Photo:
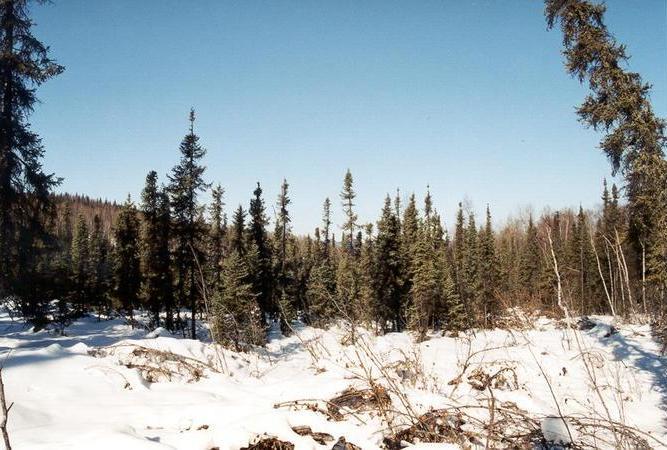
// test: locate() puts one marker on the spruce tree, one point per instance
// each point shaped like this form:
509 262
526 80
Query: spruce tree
236 312
80 265
388 274
326 227
426 287
372 310
530 261
262 278
460 250
237 238
581 261
127 268
320 292
24 187
155 254
216 237
455 314
488 271
473 275
321 286
409 237
186 183
282 267
635 139
348 292
100 267
347 196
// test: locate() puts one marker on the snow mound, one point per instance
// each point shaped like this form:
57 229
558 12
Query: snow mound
556 430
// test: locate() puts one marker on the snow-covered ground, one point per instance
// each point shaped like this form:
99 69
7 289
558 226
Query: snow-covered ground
98 386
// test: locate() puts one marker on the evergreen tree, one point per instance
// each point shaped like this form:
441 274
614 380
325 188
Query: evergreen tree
320 292
262 278
321 286
455 315
24 187
217 236
155 254
409 237
326 227
347 196
388 274
80 265
635 139
460 249
237 239
530 262
65 234
186 183
426 287
100 269
236 312
282 268
347 302
471 267
127 267
488 271
581 261
372 310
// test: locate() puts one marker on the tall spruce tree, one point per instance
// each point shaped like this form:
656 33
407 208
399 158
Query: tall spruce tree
262 278
100 268
216 237
426 286
388 273
530 261
186 183
282 266
321 286
80 265
237 239
581 263
155 254
127 263
488 271
635 140
347 196
460 250
371 308
326 228
24 187
473 275
409 237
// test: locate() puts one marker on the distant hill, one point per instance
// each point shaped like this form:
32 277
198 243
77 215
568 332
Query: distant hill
88 207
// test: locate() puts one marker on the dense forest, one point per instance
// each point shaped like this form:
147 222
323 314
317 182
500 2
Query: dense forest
63 256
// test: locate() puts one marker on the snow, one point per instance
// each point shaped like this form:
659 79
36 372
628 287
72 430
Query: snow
88 387
556 430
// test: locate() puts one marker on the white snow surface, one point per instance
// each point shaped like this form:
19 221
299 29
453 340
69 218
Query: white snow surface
65 396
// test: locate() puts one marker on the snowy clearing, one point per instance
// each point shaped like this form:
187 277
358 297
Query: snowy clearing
110 386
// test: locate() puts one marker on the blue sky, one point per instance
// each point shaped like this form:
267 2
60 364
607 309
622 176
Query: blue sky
470 98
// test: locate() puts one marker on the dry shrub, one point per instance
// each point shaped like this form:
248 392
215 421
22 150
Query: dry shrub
353 399
157 365
269 443
504 379
321 438
342 444
437 426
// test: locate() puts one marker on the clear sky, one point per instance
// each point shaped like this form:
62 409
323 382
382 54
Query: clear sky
469 97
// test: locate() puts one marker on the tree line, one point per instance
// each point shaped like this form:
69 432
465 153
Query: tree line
180 259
